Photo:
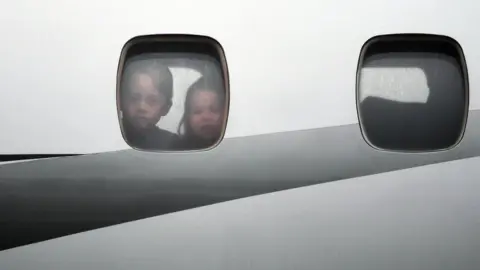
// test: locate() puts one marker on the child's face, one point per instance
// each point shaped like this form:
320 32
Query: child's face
144 105
205 114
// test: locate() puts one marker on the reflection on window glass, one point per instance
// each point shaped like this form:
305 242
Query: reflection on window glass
183 77
403 84
172 102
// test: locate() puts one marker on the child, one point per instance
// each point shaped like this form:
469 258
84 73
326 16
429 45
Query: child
203 118
146 96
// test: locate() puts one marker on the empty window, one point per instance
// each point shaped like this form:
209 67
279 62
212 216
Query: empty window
412 92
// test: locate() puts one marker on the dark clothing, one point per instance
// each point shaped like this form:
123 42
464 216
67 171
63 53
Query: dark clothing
187 143
151 139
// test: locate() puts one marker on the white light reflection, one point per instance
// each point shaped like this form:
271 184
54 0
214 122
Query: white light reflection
403 84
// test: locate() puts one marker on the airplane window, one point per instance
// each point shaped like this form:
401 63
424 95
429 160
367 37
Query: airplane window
412 93
172 93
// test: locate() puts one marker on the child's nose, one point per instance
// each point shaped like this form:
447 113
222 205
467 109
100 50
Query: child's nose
208 116
143 105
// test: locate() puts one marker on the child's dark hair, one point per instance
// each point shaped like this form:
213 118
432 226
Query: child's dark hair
212 83
160 74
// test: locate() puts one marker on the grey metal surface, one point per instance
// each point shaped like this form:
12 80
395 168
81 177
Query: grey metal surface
420 218
44 199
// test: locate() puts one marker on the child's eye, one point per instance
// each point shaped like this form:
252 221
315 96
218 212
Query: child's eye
152 100
214 108
134 97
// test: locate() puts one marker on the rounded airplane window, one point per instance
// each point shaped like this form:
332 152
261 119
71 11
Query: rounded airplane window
172 98
412 93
